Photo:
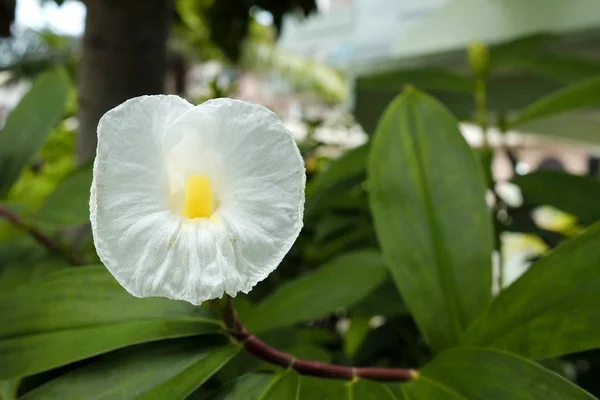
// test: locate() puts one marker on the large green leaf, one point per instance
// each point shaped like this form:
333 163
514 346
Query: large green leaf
474 374
427 197
29 123
77 313
577 195
552 309
165 370
281 386
69 203
578 95
341 283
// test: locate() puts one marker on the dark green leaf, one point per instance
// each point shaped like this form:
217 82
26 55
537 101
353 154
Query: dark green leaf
29 123
166 370
576 195
77 313
367 390
552 309
14 275
579 95
355 334
383 300
474 374
350 164
8 389
428 79
427 197
282 386
341 175
69 203
326 389
341 283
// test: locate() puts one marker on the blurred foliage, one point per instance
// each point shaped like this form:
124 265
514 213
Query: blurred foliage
217 29
392 268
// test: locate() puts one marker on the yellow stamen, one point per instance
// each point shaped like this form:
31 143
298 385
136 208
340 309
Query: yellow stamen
199 200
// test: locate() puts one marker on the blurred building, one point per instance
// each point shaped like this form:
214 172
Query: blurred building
383 44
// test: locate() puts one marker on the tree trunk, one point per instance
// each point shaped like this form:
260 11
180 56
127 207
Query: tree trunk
124 55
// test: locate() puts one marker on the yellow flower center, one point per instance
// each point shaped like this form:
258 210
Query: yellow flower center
199 200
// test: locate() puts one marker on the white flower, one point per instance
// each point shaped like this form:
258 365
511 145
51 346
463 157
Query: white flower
194 202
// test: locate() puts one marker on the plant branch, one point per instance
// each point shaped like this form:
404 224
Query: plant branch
50 244
260 349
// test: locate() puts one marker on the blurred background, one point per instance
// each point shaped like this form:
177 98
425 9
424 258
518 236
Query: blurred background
328 68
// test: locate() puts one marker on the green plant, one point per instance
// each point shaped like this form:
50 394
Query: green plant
387 290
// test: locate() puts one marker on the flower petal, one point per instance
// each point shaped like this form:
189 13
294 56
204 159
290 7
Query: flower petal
129 194
258 176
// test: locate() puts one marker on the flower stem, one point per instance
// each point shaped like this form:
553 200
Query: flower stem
50 244
260 349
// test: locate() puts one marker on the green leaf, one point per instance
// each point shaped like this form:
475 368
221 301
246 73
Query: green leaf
326 389
282 386
247 387
552 309
427 198
473 373
9 389
341 174
355 334
576 195
578 95
340 283
426 78
69 203
285 386
367 390
81 312
166 370
193 376
29 123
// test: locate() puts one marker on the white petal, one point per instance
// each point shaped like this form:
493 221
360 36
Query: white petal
258 176
129 189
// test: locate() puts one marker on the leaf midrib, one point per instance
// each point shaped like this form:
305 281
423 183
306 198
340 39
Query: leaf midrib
439 251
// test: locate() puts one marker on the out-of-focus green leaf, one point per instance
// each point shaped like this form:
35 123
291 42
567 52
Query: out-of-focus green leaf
358 237
473 373
14 275
425 78
346 172
69 203
350 164
368 390
29 123
552 309
427 196
282 386
383 300
77 313
578 95
8 389
341 283
325 389
165 370
576 195
355 334
248 387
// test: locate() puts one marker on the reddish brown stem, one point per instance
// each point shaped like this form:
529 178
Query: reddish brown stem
260 349
51 245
